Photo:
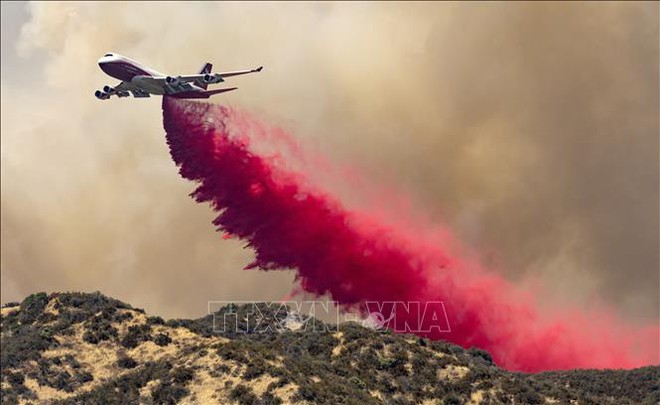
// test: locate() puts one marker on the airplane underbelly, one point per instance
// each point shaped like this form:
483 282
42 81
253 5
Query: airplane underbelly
116 71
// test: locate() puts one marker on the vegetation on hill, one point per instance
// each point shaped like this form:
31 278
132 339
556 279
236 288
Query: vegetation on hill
73 348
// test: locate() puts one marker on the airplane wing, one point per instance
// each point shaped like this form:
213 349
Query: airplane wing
164 84
217 76
123 89
208 78
123 86
240 72
120 90
214 77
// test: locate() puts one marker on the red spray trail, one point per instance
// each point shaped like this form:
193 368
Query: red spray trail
357 257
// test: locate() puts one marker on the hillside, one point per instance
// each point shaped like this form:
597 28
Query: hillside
71 348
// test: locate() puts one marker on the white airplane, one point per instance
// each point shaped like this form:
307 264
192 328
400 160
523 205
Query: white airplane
141 81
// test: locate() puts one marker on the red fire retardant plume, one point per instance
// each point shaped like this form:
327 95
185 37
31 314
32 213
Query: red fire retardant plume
356 256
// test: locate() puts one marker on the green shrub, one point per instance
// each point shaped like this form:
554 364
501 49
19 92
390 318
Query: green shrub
136 334
182 375
269 399
26 343
126 362
99 329
243 395
32 307
84 377
168 393
452 399
357 382
155 320
481 355
162 339
15 378
254 369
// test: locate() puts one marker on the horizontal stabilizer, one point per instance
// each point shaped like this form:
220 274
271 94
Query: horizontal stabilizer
218 91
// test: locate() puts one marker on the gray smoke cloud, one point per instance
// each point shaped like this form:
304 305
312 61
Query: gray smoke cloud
531 129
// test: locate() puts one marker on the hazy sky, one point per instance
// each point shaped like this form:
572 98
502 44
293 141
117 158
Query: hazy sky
531 129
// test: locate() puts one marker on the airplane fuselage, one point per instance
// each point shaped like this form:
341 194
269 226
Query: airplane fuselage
123 68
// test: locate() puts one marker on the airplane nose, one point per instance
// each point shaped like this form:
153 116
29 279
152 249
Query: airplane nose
107 58
105 63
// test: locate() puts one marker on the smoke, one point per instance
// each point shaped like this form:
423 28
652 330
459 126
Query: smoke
357 256
530 129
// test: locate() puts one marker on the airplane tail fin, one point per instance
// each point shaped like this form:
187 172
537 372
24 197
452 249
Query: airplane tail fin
205 69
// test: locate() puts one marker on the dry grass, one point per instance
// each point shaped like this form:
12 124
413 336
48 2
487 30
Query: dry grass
477 397
9 310
452 372
100 359
286 392
44 393
50 308
336 351
376 394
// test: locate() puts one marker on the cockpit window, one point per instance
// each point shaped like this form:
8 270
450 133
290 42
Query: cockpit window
108 54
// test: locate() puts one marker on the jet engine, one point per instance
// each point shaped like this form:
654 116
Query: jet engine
210 79
172 81
101 95
108 89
